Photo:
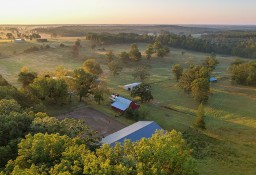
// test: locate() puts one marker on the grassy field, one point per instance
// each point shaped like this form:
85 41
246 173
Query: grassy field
230 112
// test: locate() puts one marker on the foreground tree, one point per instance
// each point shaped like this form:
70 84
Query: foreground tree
199 120
143 91
92 66
164 153
177 71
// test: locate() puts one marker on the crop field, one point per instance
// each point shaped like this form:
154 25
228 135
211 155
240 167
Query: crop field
229 140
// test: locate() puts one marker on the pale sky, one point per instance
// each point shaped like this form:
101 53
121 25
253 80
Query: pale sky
128 12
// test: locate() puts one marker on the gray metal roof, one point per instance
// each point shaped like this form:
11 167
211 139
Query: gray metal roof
121 103
133 132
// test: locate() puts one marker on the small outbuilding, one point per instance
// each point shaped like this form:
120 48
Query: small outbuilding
19 41
213 80
129 87
121 104
134 132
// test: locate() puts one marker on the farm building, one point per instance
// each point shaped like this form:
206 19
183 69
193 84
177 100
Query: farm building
19 41
213 79
134 132
129 87
121 104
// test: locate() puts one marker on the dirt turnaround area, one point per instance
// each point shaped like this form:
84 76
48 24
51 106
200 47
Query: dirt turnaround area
96 120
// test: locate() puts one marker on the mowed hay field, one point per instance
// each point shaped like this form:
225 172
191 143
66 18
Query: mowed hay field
228 143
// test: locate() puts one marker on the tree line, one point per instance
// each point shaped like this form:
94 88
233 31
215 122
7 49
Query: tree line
244 46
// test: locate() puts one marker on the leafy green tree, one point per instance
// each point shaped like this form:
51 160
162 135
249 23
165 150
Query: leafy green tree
199 121
75 51
211 62
124 56
244 73
192 73
49 88
149 51
26 77
200 89
177 70
134 53
92 66
14 124
143 91
141 72
115 67
99 91
84 83
55 154
162 52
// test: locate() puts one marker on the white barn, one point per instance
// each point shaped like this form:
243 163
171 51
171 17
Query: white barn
19 41
129 87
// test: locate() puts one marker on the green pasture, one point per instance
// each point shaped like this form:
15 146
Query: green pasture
230 112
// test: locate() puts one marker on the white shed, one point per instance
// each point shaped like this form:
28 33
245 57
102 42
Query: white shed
19 41
129 87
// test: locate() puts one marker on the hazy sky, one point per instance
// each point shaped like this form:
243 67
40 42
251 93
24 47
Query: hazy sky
128 12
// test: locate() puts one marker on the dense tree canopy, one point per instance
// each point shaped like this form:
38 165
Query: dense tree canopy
165 153
143 91
92 66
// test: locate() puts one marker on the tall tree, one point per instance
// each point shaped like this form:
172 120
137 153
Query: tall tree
26 77
134 53
149 51
92 66
199 120
143 91
200 89
115 67
84 82
99 91
141 72
177 70
124 56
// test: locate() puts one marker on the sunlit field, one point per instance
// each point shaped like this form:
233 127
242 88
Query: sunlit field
230 111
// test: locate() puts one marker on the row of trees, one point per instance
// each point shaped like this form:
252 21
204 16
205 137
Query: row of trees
58 85
222 44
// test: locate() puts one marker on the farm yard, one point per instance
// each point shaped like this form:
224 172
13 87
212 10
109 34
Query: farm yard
227 145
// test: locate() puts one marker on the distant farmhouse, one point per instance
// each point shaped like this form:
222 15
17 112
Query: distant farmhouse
129 87
134 132
19 40
121 104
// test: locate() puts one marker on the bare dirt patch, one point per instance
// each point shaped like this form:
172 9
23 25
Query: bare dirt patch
96 120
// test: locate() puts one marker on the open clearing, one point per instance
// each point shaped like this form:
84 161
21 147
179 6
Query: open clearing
98 121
